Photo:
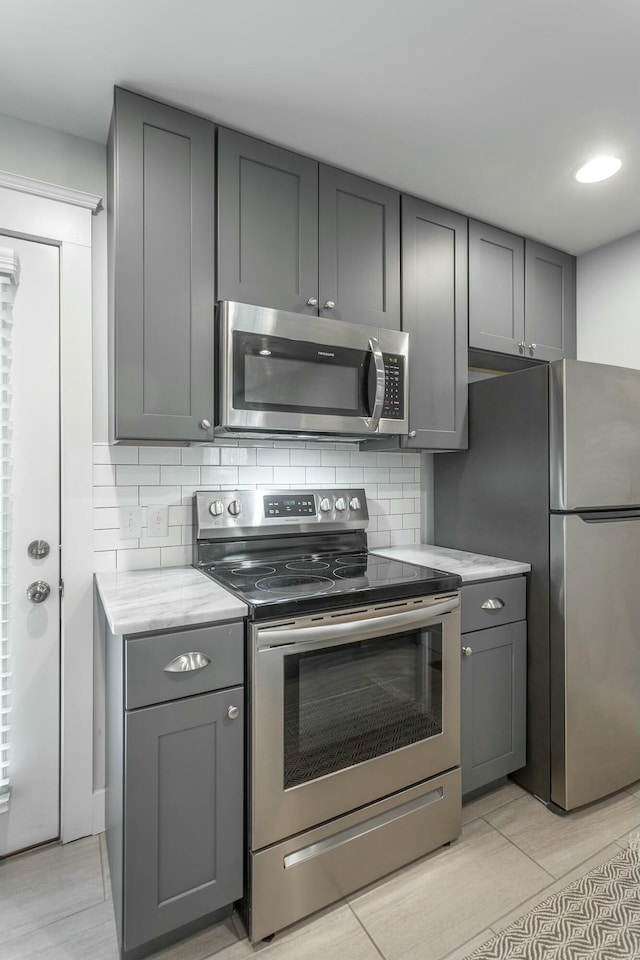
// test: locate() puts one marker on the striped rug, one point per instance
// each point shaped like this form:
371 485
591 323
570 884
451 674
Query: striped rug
594 918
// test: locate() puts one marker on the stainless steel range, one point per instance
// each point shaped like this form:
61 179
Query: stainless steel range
353 685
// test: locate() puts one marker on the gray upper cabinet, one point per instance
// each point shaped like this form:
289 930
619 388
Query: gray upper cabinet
521 296
267 224
161 264
359 265
434 314
550 303
496 289
297 235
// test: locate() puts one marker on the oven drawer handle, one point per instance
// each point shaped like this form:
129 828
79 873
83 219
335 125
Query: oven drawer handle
346 630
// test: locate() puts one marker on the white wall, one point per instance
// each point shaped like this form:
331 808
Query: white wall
608 303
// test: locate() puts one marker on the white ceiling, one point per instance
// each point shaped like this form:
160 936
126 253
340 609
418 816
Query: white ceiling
484 106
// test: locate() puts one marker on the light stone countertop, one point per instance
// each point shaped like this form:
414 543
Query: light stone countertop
470 566
139 600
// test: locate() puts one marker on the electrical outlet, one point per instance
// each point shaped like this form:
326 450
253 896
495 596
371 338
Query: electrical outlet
157 521
130 522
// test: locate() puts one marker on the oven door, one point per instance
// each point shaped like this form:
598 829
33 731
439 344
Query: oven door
283 373
349 707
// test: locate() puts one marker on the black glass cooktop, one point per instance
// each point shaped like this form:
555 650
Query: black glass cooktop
296 585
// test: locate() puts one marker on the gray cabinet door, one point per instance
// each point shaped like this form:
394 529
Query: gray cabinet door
183 813
496 289
434 314
550 303
359 250
267 224
494 700
161 238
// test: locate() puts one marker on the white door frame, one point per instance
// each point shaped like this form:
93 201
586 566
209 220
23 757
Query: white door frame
40 211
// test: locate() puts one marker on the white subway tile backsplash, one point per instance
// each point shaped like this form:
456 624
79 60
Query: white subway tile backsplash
103 453
402 475
290 476
200 456
180 475
150 496
138 559
317 476
258 476
104 475
175 556
137 474
306 458
273 458
144 476
218 475
238 456
115 496
159 455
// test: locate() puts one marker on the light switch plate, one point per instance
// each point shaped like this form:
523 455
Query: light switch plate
157 520
130 522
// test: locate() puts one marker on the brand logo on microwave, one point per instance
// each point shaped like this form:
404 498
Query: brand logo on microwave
324 353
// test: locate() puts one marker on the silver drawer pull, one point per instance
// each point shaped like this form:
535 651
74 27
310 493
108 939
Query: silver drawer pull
188 661
493 603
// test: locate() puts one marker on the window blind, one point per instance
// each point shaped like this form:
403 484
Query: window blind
9 277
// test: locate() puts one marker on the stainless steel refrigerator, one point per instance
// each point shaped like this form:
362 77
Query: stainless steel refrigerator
552 477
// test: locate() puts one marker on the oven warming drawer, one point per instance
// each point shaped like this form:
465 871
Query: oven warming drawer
292 879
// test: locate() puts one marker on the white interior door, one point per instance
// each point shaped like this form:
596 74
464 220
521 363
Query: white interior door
32 814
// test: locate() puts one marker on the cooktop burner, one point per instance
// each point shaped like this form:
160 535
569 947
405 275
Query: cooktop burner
300 586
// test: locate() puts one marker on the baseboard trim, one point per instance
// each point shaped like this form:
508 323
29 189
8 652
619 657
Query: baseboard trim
97 815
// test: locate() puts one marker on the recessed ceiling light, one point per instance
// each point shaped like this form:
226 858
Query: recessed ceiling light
597 169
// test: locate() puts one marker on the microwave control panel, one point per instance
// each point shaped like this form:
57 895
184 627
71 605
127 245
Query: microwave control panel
393 406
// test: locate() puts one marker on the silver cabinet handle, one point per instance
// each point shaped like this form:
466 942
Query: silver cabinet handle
312 302
329 305
381 381
522 346
38 591
413 434
493 603
187 662
205 424
532 347
467 651
233 713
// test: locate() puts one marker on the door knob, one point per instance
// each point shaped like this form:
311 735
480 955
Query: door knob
38 591
329 305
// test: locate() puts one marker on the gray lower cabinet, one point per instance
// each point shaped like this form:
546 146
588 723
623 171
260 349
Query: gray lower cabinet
493 681
161 165
434 314
175 782
297 235
521 296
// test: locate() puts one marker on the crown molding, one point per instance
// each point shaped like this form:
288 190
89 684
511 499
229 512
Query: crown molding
52 191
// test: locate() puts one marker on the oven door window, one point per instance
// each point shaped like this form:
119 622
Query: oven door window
347 704
273 373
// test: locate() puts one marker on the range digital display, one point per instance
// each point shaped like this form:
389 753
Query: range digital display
303 505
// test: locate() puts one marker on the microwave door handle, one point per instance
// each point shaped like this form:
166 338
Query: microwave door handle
381 380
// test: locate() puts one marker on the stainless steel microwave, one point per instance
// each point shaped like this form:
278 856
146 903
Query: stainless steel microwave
287 375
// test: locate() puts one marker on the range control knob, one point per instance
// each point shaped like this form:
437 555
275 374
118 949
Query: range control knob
216 507
341 503
354 503
235 508
325 504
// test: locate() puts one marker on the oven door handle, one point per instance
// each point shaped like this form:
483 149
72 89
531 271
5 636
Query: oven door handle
368 628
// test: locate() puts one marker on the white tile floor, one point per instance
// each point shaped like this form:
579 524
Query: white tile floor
55 903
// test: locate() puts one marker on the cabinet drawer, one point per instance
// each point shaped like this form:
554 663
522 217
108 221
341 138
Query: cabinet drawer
147 679
510 597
